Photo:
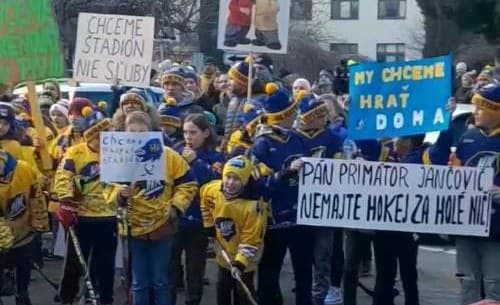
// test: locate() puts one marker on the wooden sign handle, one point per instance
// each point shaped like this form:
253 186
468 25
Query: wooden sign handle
36 116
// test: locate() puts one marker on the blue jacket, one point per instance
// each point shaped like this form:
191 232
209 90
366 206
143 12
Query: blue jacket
321 144
206 167
276 148
478 149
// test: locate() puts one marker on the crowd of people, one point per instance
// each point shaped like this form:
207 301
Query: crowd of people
231 180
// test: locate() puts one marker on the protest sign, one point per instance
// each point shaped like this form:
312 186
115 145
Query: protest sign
132 156
396 197
29 41
259 26
114 47
399 98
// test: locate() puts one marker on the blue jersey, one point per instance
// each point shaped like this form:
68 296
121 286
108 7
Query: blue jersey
206 167
321 143
277 148
478 149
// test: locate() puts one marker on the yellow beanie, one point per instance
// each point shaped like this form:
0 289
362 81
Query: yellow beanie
239 166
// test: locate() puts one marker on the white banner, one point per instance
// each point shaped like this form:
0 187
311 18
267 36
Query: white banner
111 47
396 197
132 156
259 26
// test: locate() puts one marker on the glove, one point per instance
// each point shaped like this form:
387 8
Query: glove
6 237
237 269
67 213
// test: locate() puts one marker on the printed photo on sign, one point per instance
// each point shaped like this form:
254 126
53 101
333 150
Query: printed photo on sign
399 98
114 47
259 26
132 157
394 196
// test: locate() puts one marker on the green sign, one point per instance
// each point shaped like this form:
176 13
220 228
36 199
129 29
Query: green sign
29 41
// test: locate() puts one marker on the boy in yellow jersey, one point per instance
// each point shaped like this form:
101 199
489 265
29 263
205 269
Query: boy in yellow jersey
234 214
22 213
82 206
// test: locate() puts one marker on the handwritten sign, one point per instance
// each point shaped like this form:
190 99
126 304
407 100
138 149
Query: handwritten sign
400 98
396 197
29 41
132 156
111 47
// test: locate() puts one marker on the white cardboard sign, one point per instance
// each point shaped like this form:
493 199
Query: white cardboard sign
396 197
114 47
132 156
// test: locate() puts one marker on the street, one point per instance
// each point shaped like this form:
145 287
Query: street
437 283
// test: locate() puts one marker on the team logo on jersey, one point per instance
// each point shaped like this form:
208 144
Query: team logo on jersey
90 172
226 227
152 189
17 207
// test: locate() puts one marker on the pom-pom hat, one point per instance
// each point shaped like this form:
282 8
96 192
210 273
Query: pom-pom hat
277 106
174 75
239 73
250 117
170 114
311 109
488 98
76 106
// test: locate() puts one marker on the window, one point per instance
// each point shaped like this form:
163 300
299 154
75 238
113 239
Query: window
301 10
391 9
387 52
344 9
343 49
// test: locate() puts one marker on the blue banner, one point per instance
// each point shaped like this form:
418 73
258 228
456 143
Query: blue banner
399 98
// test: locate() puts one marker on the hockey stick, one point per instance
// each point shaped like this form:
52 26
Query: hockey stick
79 254
44 276
237 277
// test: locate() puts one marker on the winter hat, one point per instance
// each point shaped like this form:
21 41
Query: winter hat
250 117
94 122
212 119
239 73
77 105
7 112
277 106
174 75
170 114
311 109
21 105
239 166
488 97
303 83
59 107
133 97
63 102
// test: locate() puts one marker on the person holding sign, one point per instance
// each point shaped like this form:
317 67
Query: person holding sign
276 150
23 212
154 210
198 149
477 258
83 207
320 143
236 217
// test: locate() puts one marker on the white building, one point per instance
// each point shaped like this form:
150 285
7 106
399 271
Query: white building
384 30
